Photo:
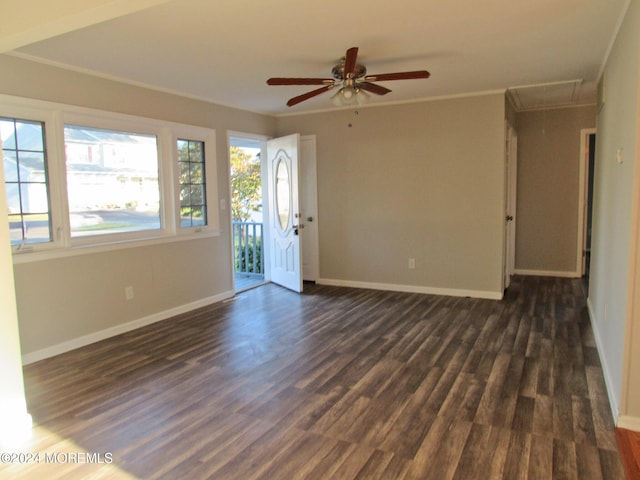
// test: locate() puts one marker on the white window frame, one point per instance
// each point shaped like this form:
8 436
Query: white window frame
55 116
208 137
129 126
52 147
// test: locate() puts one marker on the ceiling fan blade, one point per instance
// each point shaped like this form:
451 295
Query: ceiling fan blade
373 88
308 95
300 81
398 76
350 62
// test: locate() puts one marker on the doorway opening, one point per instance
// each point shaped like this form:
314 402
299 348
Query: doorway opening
247 214
587 171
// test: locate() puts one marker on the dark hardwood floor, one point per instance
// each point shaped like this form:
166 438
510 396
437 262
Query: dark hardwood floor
335 383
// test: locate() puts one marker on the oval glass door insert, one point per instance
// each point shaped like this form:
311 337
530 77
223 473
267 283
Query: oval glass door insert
283 194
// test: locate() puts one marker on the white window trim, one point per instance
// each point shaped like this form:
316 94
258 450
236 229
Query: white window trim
211 177
55 116
52 146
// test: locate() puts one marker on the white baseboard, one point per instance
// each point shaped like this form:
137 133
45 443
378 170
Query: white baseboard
611 393
547 273
452 292
63 347
630 423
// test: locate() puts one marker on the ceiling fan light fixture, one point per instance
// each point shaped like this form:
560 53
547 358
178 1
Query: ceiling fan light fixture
336 100
362 97
349 95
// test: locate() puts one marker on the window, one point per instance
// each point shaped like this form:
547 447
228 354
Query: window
26 180
112 181
192 183
80 180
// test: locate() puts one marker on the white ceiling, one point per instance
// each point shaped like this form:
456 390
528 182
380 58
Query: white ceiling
224 51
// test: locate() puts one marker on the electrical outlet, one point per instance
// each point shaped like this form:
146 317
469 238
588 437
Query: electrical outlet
128 292
412 263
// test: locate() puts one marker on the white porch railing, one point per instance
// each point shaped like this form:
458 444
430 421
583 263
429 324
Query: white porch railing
248 253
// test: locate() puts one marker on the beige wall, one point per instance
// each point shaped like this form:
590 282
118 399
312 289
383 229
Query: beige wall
613 299
548 184
63 299
421 181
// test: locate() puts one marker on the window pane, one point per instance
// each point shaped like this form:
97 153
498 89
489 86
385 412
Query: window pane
192 183
29 136
198 216
184 173
197 194
112 181
185 196
195 151
15 228
183 150
196 173
10 166
32 167
7 133
36 228
33 198
25 170
13 198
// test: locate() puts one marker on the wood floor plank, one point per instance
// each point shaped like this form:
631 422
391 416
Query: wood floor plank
588 462
564 460
337 383
518 455
470 464
541 458
441 449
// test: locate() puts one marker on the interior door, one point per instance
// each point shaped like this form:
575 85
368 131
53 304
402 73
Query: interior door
284 211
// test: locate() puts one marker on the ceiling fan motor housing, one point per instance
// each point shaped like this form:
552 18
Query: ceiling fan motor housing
337 71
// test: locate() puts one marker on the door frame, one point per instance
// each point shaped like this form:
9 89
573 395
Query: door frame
309 193
583 198
307 164
511 186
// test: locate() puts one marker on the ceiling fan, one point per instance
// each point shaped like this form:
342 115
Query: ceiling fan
352 79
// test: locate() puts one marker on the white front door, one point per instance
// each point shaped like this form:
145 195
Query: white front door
284 211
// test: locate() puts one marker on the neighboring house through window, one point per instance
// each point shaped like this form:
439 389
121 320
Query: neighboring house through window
112 181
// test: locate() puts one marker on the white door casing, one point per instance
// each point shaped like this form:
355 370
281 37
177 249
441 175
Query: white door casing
511 182
284 212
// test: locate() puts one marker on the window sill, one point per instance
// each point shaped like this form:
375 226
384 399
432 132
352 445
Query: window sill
26 256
